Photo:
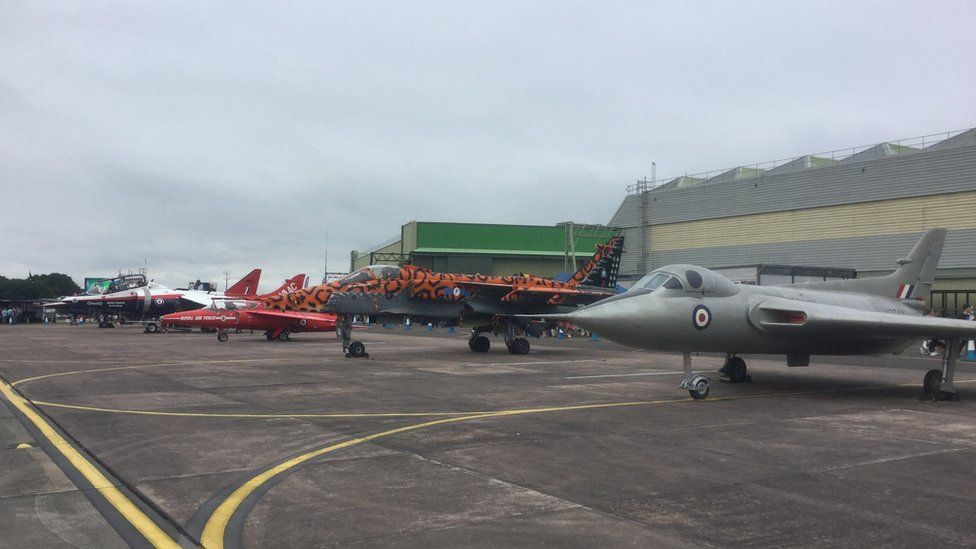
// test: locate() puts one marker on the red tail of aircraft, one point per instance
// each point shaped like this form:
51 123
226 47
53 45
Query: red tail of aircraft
247 286
294 283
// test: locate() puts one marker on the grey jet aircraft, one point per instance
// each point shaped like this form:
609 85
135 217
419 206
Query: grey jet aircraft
692 309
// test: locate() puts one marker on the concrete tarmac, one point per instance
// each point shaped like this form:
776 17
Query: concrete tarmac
113 437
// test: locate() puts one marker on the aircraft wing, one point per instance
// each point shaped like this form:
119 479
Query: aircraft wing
539 294
554 295
789 317
196 299
284 315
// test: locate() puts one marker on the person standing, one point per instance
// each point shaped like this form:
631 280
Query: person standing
967 312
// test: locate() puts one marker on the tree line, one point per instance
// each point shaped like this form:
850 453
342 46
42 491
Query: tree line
39 286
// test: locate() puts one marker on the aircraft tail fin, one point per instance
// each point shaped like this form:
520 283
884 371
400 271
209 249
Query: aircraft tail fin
601 270
246 286
913 278
296 282
915 273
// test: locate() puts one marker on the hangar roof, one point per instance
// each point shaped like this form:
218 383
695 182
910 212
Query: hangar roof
850 155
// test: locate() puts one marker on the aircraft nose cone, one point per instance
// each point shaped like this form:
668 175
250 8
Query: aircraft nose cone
596 318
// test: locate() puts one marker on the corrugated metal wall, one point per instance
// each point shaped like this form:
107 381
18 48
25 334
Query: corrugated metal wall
875 253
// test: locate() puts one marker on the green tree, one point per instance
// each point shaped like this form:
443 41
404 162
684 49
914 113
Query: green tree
37 287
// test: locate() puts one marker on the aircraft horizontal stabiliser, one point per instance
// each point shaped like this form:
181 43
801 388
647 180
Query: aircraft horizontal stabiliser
687 308
395 293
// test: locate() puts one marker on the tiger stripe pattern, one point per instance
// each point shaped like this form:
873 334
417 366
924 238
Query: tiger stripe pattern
421 283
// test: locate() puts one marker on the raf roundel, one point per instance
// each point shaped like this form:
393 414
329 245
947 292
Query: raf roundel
701 317
160 301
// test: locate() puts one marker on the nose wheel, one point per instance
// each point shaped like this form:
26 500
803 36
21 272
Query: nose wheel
353 349
698 386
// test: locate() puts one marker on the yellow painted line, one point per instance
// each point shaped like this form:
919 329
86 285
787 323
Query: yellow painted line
153 533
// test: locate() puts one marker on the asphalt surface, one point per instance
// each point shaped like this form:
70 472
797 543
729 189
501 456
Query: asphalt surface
111 438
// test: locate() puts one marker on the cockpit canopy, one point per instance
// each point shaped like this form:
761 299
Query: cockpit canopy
371 272
118 284
689 278
658 279
233 304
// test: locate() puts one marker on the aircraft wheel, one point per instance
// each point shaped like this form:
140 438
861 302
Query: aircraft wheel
222 337
152 327
932 383
520 346
736 370
268 335
479 344
357 349
285 336
700 388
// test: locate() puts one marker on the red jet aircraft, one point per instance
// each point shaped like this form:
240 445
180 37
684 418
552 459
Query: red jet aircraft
239 315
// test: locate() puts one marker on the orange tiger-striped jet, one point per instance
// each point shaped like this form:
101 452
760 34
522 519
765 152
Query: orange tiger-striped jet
387 292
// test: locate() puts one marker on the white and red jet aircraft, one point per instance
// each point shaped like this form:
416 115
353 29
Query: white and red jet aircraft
132 298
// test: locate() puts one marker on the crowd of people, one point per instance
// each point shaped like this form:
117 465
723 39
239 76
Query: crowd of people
935 347
12 315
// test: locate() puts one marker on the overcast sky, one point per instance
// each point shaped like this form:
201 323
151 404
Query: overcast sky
209 136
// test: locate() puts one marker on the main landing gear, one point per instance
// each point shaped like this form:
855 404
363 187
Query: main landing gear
937 384
698 386
353 349
734 370
278 334
478 343
516 344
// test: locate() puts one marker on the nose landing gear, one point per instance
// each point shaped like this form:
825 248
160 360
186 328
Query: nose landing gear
353 349
698 386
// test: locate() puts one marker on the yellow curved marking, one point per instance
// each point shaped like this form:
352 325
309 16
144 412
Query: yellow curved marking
213 531
153 533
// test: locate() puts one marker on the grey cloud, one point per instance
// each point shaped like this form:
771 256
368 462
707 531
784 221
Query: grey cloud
231 135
